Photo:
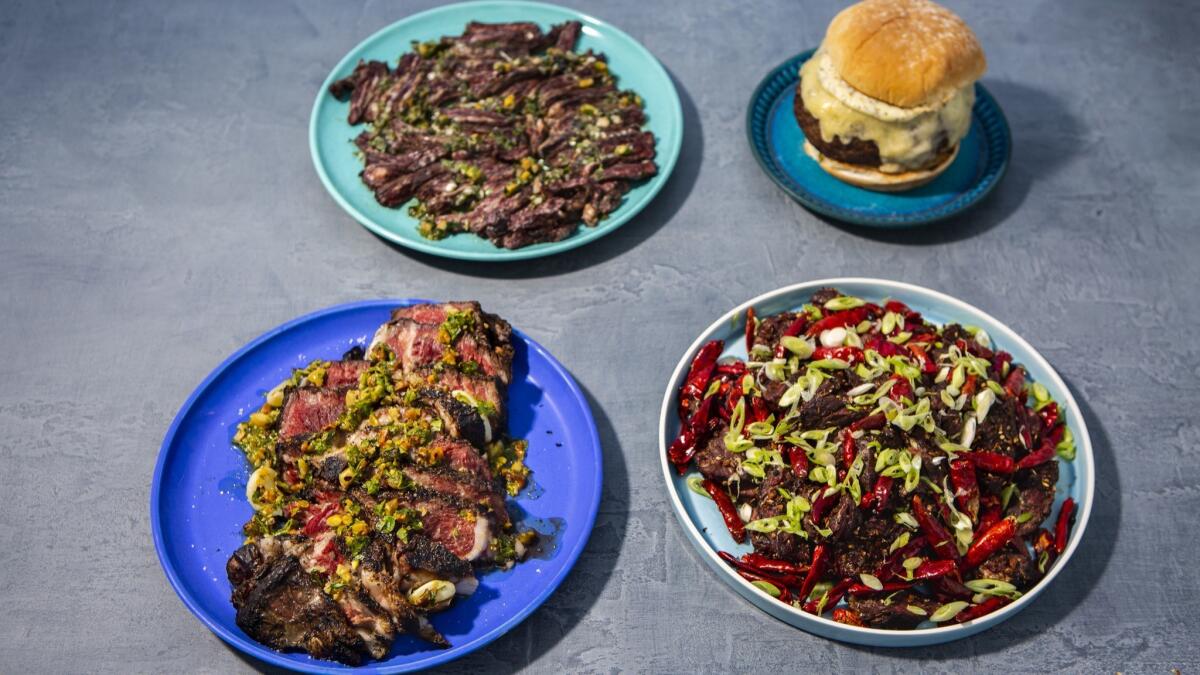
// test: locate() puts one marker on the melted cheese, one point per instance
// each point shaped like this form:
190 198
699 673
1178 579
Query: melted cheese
907 138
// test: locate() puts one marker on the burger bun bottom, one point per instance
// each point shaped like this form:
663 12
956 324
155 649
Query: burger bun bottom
873 179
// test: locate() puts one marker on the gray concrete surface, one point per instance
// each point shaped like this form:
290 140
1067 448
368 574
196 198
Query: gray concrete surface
158 209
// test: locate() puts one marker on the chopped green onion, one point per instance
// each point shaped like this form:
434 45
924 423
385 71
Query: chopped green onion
913 609
694 484
957 378
1066 447
983 403
844 302
906 519
798 346
900 542
995 587
889 322
948 611
871 581
830 364
1006 495
767 587
764 525
947 399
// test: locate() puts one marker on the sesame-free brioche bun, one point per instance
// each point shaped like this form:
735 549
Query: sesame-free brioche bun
903 52
873 179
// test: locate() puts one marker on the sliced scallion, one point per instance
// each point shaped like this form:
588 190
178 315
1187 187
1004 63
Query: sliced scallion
844 302
948 611
871 581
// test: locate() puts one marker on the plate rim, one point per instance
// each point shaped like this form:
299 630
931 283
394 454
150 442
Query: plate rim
265 654
667 157
828 628
978 191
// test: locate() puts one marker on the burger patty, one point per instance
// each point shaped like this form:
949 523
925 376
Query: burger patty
857 151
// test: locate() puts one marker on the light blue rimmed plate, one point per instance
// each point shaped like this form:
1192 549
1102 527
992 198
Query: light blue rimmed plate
777 142
198 501
333 155
707 532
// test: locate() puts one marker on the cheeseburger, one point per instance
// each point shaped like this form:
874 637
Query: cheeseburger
887 97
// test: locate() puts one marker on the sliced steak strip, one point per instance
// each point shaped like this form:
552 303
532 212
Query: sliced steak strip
417 346
285 609
381 581
461 456
307 410
341 374
459 419
464 529
423 553
461 485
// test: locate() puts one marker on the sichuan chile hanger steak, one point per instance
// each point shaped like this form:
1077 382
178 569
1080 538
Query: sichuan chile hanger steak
503 131
886 470
378 484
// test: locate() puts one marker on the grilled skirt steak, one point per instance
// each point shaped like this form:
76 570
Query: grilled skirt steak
504 131
379 487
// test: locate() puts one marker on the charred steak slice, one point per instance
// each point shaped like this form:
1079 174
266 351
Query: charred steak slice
285 609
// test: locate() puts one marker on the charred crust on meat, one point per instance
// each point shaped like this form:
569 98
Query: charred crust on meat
425 554
285 609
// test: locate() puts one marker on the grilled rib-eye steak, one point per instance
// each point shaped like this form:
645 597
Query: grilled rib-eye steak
378 483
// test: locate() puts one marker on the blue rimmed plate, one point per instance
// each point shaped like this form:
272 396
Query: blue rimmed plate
198 501
777 142
702 523
333 155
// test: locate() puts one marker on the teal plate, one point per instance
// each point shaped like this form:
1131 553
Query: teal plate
331 136
777 142
705 529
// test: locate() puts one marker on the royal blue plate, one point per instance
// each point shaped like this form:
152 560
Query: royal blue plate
198 502
778 145
705 529
330 135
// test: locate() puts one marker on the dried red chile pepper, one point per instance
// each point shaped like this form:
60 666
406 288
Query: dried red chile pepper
694 433
737 529
1062 528
751 327
698 376
830 598
993 462
992 540
966 486
939 537
983 609
849 317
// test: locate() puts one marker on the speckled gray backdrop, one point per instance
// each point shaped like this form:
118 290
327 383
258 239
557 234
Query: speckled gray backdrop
158 209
